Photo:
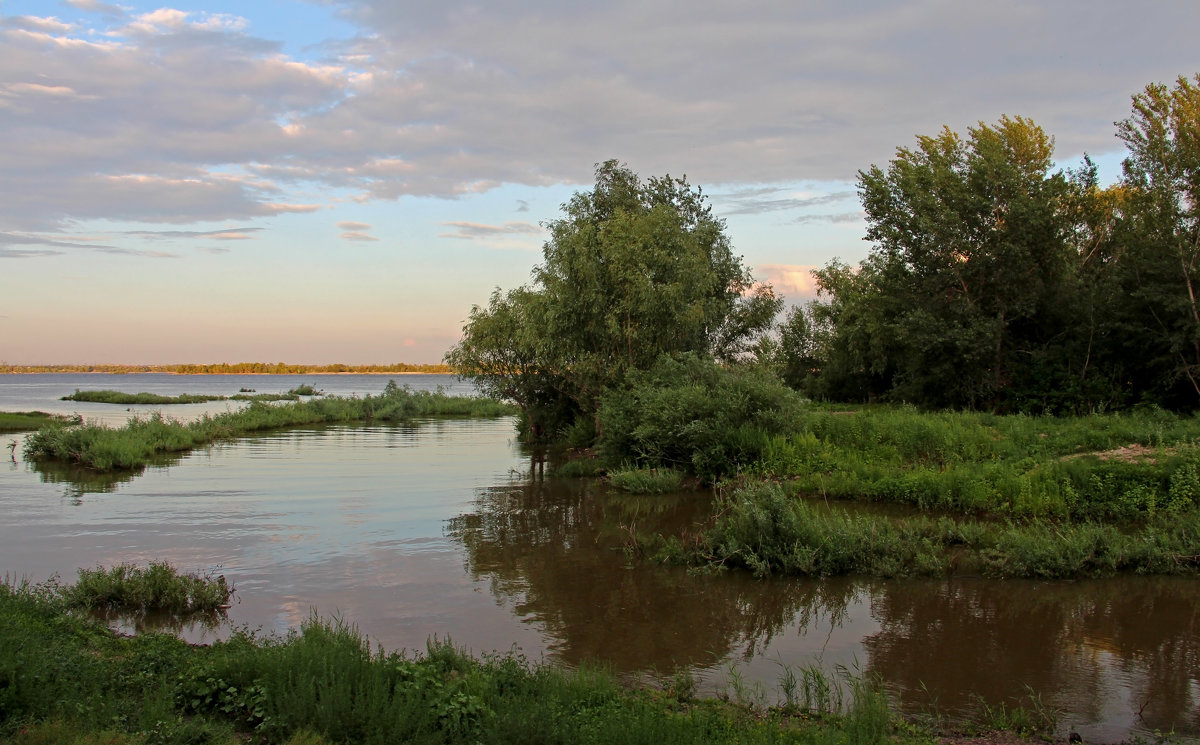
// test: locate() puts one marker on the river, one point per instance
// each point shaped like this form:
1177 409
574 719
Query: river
447 529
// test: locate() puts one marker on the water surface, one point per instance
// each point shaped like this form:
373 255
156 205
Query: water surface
443 528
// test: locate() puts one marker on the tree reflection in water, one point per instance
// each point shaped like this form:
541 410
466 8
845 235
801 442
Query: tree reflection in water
1114 655
552 549
1124 651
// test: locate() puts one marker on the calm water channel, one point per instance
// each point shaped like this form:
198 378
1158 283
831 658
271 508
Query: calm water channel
441 529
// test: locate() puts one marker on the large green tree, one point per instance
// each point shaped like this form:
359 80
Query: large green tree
968 283
632 270
1157 241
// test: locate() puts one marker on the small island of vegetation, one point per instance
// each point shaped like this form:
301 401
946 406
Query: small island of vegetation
153 399
234 368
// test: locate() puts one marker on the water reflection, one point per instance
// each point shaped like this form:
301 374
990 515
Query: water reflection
556 552
1115 655
78 481
1124 649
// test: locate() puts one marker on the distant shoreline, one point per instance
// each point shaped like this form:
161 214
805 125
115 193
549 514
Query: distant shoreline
251 368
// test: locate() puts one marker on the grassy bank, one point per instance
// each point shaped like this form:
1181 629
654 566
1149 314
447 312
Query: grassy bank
760 527
65 678
1100 467
25 421
141 440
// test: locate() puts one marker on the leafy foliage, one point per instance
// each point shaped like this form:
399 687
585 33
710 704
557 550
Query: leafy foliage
632 271
695 415
999 283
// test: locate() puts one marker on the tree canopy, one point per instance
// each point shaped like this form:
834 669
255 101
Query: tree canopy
996 281
633 270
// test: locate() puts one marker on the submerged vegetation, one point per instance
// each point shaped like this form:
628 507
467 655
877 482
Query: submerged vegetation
143 439
67 678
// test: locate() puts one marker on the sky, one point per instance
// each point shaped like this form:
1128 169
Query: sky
319 181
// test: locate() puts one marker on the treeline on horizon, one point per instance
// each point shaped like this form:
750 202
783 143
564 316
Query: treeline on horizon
235 368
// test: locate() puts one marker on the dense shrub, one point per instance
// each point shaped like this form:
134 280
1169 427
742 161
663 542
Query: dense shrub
692 414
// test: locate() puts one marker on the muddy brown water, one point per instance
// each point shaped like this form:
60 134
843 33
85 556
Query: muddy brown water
444 528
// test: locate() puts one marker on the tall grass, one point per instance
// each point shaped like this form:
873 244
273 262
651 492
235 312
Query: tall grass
1111 467
760 528
154 588
143 439
647 480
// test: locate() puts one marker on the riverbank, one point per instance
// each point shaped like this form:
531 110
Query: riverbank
68 679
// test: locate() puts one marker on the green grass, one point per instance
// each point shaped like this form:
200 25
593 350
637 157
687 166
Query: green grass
143 439
759 527
25 421
154 588
150 399
1104 467
65 678
154 399
647 480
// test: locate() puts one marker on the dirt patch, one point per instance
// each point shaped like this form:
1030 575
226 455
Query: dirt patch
1134 453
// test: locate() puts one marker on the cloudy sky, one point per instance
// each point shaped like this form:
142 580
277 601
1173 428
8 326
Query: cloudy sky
340 180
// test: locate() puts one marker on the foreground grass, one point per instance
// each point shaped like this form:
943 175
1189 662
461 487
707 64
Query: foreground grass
25 421
141 440
65 678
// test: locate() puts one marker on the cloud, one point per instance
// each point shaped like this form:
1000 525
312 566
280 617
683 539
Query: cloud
449 99
358 236
759 200
837 218
352 225
134 252
479 231
226 234
48 245
50 25
95 6
795 281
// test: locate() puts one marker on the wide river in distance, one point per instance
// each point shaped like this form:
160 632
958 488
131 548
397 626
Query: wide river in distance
447 529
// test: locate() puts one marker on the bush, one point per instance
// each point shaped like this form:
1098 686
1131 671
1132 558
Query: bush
692 414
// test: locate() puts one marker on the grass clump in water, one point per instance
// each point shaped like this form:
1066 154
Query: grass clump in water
647 480
146 399
142 439
154 588
154 399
